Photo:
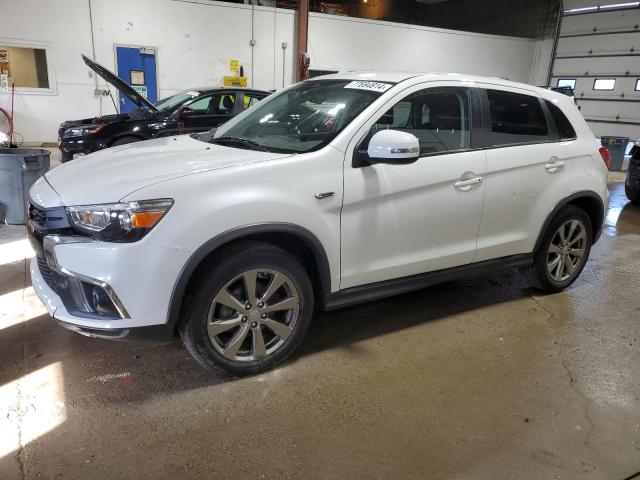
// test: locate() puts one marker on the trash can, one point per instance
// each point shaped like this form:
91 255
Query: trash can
19 169
617 146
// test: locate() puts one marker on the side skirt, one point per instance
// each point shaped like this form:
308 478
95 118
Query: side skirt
396 286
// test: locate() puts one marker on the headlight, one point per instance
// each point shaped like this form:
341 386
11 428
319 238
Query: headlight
81 131
119 222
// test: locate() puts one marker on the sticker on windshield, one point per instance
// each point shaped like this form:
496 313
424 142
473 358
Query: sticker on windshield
371 86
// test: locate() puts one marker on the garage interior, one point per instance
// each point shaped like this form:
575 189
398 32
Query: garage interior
484 378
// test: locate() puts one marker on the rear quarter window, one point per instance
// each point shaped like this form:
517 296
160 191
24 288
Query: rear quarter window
516 119
565 129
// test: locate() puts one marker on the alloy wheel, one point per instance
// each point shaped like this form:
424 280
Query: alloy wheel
253 315
567 250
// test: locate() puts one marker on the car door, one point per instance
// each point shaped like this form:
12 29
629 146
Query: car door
400 220
526 168
207 112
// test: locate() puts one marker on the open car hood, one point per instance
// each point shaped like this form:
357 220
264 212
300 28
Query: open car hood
120 84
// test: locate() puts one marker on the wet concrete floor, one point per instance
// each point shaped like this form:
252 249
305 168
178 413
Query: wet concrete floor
476 379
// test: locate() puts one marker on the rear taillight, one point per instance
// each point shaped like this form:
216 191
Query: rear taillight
606 156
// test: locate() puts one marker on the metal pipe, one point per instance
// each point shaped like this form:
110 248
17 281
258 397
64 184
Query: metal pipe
253 39
93 45
284 59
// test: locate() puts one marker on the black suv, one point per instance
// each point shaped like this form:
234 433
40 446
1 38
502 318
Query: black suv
632 185
195 110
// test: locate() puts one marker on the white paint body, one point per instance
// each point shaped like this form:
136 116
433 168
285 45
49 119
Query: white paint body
384 221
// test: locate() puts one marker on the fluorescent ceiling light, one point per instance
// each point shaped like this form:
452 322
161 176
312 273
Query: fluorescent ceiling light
583 9
595 8
620 5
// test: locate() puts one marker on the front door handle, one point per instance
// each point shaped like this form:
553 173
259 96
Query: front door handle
554 166
466 185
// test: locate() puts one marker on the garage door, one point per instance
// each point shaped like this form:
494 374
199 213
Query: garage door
598 54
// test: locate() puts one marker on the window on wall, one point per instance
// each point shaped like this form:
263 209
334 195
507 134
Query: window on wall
23 67
516 119
567 82
637 85
604 83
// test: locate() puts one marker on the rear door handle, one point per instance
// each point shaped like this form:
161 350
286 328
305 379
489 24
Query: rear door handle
465 185
553 167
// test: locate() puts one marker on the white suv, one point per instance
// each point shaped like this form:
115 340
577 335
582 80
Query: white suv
335 191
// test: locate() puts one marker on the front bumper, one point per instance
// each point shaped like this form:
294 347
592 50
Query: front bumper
77 146
138 277
71 147
132 328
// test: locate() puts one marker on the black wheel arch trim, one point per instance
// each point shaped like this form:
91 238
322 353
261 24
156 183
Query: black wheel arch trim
565 201
196 258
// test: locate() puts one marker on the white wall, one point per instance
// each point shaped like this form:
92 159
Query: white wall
195 40
342 43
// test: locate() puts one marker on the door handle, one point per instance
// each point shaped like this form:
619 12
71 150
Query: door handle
465 185
553 167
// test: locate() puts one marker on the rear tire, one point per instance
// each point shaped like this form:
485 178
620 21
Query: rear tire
251 307
563 251
632 195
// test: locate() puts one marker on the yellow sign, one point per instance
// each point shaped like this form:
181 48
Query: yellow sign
234 65
235 81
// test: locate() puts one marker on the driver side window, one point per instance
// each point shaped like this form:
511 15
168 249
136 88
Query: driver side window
438 117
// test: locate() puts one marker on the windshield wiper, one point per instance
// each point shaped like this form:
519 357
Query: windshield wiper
230 141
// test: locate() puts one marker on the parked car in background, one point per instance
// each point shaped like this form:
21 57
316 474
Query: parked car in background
632 184
194 110
334 191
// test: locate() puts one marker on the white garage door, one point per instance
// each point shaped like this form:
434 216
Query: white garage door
598 54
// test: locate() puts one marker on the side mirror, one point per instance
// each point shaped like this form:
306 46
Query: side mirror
393 146
185 112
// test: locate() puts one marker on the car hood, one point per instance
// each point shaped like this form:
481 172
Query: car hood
120 84
110 175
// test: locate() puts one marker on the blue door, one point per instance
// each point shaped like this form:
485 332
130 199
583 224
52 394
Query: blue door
137 67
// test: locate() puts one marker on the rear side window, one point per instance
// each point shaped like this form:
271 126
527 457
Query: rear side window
516 119
565 129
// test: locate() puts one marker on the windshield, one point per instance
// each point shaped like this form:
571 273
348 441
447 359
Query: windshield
174 100
303 118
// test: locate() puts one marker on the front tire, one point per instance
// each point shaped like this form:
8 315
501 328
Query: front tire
250 310
564 250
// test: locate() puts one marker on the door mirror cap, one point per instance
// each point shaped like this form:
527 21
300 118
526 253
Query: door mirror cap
393 146
185 112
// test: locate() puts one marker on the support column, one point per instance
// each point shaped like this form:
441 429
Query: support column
302 72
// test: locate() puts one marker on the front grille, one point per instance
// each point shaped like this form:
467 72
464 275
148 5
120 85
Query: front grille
37 215
53 278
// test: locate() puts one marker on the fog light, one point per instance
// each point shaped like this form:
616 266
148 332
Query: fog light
102 304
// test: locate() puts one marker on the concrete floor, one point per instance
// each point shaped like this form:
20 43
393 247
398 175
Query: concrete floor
478 379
